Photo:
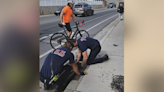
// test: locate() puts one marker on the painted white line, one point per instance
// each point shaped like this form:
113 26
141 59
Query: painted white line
84 22
43 37
48 52
46 15
104 10
101 22
103 39
50 34
59 18
86 30
55 15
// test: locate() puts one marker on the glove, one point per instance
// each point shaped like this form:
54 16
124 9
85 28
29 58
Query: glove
83 73
76 23
63 23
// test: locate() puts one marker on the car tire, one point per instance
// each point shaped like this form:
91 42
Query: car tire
85 14
76 15
92 13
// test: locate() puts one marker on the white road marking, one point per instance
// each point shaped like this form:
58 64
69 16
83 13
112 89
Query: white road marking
86 30
103 10
43 37
95 12
101 22
59 18
74 26
103 39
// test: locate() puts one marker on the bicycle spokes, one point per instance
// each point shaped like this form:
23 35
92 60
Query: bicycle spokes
57 39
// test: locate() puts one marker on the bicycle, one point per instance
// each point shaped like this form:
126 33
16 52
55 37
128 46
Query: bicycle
60 36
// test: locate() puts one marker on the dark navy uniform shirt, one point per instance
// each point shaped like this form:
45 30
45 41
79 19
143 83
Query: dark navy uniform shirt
87 42
60 56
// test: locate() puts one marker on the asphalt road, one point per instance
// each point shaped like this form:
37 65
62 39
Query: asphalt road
93 24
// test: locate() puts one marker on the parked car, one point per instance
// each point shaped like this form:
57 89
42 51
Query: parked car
119 5
83 9
111 5
57 12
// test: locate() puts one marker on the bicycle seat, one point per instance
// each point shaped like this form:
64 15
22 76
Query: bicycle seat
60 25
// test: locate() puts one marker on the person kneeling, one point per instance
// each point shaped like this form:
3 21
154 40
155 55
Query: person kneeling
53 70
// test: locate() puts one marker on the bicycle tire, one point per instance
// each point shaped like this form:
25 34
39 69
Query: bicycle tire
84 33
55 35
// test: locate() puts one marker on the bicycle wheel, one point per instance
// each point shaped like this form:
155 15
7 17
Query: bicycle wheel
83 34
56 39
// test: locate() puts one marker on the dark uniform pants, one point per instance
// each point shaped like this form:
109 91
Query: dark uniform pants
92 56
66 71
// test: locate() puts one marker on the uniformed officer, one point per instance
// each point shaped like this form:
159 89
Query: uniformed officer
83 44
60 56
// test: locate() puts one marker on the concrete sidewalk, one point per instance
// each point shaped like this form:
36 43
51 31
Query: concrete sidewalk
99 76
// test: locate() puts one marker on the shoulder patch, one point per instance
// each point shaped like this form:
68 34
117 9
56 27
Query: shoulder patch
83 39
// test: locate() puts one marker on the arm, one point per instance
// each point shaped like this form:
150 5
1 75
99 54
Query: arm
79 55
73 17
85 57
61 16
75 68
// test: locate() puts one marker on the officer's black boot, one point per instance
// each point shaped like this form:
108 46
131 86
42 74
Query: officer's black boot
105 57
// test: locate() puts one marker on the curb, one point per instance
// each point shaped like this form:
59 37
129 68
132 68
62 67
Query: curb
105 31
72 86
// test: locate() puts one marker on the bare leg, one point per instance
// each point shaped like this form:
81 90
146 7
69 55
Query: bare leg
69 34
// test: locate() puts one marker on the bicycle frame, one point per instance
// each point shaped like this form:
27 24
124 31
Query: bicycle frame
76 32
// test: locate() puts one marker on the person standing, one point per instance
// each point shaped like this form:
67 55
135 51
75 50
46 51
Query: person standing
66 15
121 11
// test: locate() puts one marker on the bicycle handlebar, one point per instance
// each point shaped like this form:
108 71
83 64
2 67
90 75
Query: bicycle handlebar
61 25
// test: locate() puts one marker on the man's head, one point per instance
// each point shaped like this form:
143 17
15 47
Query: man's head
69 44
70 3
74 42
121 4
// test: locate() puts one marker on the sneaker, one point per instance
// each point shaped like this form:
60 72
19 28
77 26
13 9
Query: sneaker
105 57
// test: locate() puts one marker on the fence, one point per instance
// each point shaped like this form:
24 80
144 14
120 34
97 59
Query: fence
64 2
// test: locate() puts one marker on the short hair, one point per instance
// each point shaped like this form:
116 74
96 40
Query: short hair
68 43
72 40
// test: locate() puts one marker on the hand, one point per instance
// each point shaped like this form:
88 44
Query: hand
63 23
76 23
83 73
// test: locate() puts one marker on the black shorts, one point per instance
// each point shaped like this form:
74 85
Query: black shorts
68 27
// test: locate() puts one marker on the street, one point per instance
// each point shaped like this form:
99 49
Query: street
99 26
93 24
